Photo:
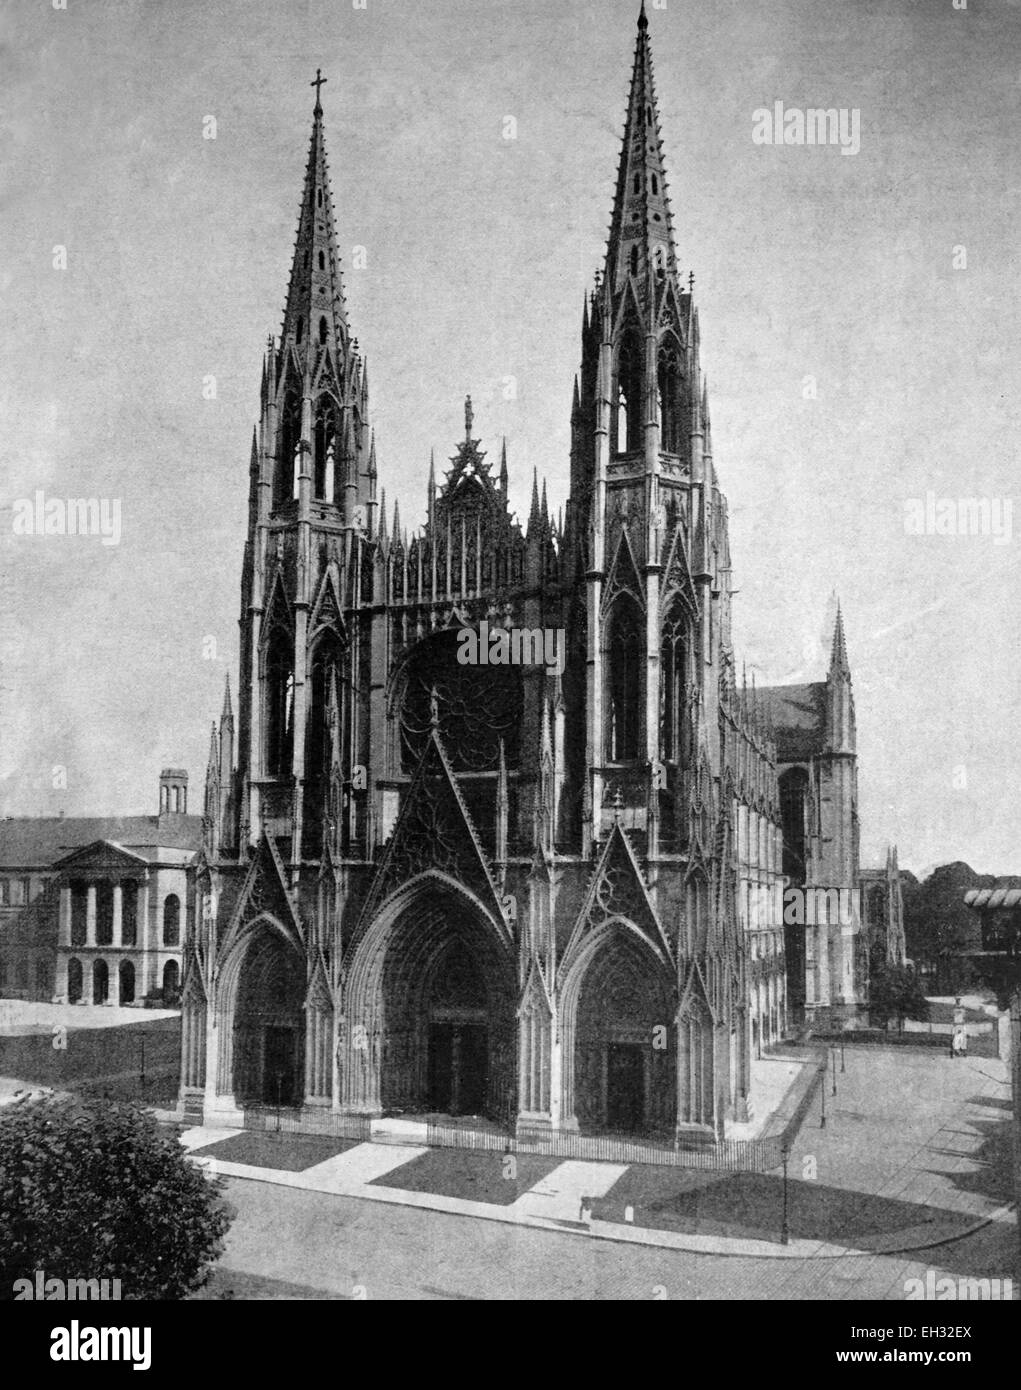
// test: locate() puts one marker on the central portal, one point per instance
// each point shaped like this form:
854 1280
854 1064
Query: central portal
448 1016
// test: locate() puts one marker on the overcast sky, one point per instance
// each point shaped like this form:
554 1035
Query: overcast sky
808 263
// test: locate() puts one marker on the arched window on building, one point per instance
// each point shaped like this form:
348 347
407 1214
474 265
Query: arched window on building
279 684
43 980
74 980
627 429
624 653
669 397
172 920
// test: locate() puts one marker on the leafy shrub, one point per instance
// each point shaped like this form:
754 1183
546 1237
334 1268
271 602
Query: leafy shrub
93 1189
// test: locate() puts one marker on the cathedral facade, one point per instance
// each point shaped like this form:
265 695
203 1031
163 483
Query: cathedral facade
455 877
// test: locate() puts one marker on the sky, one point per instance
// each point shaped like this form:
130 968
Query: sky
859 315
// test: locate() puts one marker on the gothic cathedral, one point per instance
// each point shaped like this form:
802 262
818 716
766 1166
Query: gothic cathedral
546 893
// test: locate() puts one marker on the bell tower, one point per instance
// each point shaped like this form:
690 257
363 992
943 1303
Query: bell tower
312 498
638 513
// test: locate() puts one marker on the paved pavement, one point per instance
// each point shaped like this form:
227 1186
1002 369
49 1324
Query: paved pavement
914 1156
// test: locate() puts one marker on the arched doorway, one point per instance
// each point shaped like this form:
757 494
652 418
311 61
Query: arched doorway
171 981
433 1011
269 1028
127 982
100 982
74 980
625 1043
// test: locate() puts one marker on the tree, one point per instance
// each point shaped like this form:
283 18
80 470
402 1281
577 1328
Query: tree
93 1189
896 993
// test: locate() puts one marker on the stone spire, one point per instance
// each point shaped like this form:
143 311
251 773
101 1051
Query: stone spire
641 228
315 295
839 665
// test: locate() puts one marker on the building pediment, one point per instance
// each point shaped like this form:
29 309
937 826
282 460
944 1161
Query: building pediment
101 855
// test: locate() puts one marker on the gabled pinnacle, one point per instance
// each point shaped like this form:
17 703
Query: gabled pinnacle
253 463
544 509
316 308
503 466
396 533
227 712
372 455
382 516
641 227
839 665
212 766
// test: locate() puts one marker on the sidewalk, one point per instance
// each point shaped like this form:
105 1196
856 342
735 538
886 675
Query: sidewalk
915 1153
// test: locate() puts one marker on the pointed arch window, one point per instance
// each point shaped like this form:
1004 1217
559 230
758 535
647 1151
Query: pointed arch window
325 449
637 183
624 666
634 260
673 675
323 327
322 261
285 477
669 397
323 725
279 703
627 432
300 331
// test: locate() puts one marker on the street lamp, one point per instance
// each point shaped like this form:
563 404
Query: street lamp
833 1067
822 1090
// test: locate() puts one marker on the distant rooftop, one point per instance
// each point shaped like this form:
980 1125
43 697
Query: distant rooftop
38 841
798 714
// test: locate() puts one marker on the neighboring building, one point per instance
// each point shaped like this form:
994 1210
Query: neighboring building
100 904
882 903
476 886
817 766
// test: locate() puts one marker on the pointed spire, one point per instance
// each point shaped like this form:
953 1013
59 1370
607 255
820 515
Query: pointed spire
396 533
227 712
544 508
639 243
382 515
533 513
213 764
253 462
503 467
575 400
430 499
316 307
839 664
372 455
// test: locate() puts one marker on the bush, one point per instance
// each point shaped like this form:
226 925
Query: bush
93 1189
895 992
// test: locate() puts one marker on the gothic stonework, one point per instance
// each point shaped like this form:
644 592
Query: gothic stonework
548 896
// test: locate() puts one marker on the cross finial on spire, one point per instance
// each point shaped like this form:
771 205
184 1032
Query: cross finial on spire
469 416
320 80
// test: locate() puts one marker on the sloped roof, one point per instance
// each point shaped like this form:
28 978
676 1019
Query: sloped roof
798 713
39 841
